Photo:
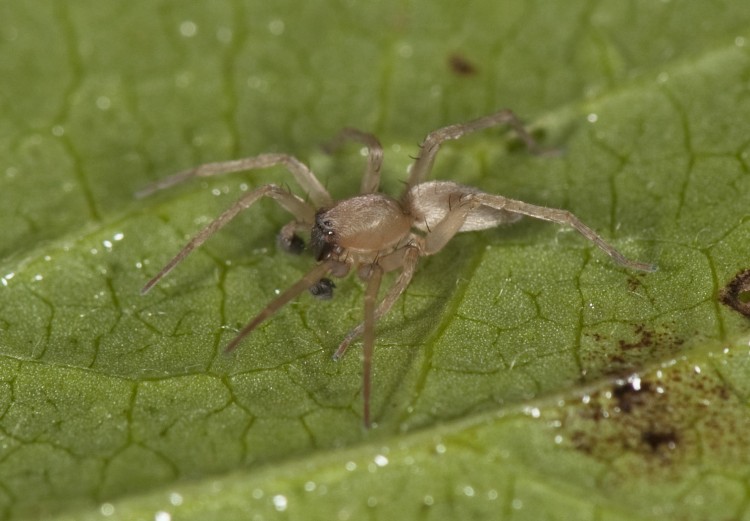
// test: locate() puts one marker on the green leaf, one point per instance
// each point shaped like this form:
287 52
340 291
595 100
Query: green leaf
522 375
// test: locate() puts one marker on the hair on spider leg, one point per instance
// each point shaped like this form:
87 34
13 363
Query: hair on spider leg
372 233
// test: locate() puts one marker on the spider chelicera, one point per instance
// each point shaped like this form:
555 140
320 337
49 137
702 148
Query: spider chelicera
372 232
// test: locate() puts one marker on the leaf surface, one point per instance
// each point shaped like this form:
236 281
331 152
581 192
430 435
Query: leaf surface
522 375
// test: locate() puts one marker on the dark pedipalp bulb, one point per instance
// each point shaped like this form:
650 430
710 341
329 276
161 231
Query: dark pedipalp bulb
292 244
323 289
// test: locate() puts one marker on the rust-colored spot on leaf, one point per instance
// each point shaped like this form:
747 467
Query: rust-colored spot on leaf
658 439
736 294
461 66
646 339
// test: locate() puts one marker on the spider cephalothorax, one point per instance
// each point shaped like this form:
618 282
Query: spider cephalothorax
373 233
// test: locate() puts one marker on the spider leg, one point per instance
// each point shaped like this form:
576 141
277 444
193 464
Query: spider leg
290 202
310 278
561 217
407 272
371 296
431 144
302 174
371 177
443 232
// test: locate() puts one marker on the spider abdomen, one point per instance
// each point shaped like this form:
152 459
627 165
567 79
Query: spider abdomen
431 202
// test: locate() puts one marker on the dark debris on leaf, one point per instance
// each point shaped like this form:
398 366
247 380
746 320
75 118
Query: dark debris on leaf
663 419
736 294
461 66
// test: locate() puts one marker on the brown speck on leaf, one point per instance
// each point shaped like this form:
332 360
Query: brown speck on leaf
634 283
662 420
646 339
657 439
461 66
736 294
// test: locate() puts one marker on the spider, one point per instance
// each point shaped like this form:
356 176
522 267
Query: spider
373 233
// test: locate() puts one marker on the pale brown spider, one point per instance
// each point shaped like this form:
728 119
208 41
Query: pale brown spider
373 232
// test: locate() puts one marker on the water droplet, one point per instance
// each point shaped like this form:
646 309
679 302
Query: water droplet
440 448
107 509
739 41
469 491
310 486
592 118
163 516
175 498
58 130
350 466
7 277
534 412
279 502
276 27
380 460
405 50
257 493
188 29
428 500
103 103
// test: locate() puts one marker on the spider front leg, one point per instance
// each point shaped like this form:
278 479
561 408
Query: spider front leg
290 202
308 280
371 177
